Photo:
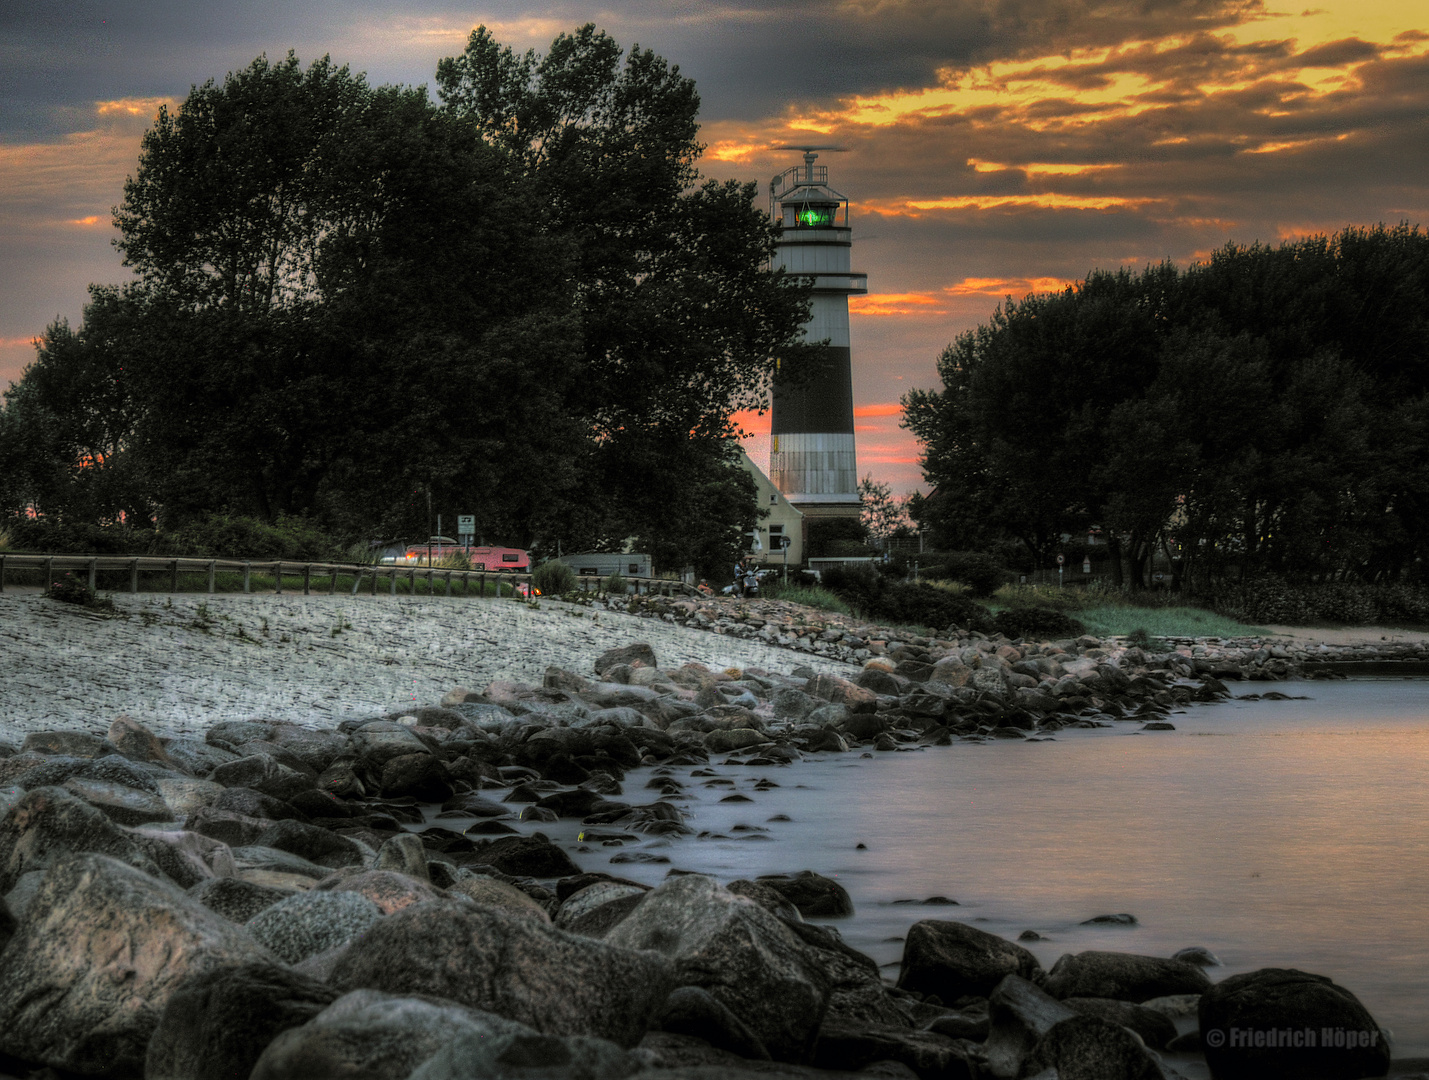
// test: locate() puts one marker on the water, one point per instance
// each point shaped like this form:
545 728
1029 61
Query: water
1275 833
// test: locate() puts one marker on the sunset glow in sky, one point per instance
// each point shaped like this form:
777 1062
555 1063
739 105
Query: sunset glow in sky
993 147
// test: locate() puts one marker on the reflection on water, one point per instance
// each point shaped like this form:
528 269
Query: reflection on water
1276 833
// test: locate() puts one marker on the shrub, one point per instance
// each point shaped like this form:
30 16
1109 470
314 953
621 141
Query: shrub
554 578
72 590
1036 622
812 596
980 573
616 584
45 535
858 584
227 537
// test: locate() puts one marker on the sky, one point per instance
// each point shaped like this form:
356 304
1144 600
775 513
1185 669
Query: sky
990 148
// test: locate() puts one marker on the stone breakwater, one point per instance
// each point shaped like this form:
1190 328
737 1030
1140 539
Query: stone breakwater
374 898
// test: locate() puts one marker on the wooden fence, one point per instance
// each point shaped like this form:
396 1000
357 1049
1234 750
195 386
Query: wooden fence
313 575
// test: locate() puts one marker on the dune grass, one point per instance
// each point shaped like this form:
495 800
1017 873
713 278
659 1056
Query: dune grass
1121 620
812 596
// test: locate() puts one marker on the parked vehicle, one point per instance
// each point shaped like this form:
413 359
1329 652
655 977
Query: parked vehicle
500 559
605 563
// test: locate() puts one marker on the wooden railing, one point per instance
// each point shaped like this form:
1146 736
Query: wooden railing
312 574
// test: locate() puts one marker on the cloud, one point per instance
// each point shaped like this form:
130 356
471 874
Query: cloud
883 409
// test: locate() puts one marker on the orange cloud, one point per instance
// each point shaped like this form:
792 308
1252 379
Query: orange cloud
93 219
1006 286
878 304
884 409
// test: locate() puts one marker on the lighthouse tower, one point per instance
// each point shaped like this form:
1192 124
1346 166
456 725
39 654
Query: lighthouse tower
811 450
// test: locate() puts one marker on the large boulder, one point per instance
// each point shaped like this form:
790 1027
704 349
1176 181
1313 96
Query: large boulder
1279 1023
90 969
813 894
1019 1014
235 899
511 965
49 824
1123 976
121 804
849 1046
745 957
529 1056
310 842
135 741
262 772
526 856
1155 1028
217 1022
419 776
639 654
953 960
367 1035
308 923
1090 1048
498 894
389 890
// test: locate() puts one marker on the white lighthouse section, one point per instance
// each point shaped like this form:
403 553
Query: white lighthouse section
813 460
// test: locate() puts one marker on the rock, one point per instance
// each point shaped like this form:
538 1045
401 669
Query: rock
391 892
233 829
217 1022
723 742
689 1010
529 1057
1155 1029
857 995
135 741
254 804
261 773
849 1046
18 899
404 854
186 858
579 912
235 899
49 824
1198 955
308 923
68 743
1124 919
1338 1039
318 846
1019 1015
526 856
418 776
187 796
770 899
1123 976
366 1035
511 965
120 804
746 958
498 894
639 654
813 894
792 704
952 960
90 969
1090 1048
7 924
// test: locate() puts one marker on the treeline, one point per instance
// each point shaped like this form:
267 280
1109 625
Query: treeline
357 306
1261 415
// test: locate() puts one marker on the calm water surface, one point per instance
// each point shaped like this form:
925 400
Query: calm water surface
1275 833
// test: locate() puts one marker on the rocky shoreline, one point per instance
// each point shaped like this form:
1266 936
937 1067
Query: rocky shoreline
287 900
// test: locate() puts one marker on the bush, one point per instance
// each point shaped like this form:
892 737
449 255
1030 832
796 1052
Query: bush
923 605
72 590
554 579
221 536
616 584
45 536
980 573
809 595
1036 622
858 584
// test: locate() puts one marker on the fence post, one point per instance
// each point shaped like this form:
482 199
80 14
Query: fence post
174 577
333 590
412 583
278 577
449 582
2 571
307 577
93 566
211 564
247 570
394 581
374 580
49 573
133 575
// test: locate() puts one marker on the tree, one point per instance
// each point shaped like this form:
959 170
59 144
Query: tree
1259 413
680 319
879 512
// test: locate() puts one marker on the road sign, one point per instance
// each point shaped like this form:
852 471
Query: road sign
466 523
1061 559
785 541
